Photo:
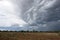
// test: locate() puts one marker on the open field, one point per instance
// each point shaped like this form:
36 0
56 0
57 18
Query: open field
29 36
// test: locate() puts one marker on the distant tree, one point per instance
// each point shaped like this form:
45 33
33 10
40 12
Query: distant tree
22 31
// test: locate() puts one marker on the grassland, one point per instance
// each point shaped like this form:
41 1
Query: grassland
29 36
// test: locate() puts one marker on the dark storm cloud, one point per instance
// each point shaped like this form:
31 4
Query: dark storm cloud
41 15
54 12
48 16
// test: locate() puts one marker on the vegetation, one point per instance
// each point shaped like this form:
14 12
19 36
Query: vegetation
32 31
29 35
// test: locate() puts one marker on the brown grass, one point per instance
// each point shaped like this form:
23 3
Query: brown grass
29 36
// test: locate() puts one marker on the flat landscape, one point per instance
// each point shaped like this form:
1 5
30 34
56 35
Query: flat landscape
29 36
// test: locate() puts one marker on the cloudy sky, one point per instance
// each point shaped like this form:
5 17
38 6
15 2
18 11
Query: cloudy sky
30 14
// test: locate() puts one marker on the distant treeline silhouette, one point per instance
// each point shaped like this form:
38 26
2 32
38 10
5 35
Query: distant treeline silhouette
30 31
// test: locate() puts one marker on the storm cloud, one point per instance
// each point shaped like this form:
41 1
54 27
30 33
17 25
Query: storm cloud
39 15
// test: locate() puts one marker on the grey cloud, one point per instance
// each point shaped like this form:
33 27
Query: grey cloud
39 14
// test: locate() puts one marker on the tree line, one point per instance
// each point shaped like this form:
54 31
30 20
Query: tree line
30 31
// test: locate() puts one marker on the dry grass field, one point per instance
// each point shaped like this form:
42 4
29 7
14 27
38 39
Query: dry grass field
29 36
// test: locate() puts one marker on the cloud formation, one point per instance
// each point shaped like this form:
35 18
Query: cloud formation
31 14
8 14
44 14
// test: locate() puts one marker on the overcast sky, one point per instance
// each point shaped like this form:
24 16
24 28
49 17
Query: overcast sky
30 14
